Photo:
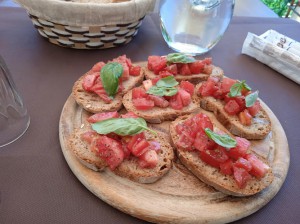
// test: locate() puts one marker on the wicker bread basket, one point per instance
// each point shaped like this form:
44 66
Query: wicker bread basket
87 24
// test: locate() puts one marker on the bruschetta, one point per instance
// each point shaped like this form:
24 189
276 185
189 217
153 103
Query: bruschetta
101 89
182 66
123 144
161 99
217 158
236 106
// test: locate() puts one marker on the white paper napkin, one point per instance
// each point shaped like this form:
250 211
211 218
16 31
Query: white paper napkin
275 50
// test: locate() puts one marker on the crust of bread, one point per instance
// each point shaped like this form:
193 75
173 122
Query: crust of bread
196 78
157 115
94 104
129 168
211 175
259 129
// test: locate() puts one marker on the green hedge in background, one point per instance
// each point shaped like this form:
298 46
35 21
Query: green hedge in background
278 6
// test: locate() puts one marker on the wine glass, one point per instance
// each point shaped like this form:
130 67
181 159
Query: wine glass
14 118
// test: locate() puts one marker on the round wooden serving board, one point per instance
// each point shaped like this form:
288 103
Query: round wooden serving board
179 197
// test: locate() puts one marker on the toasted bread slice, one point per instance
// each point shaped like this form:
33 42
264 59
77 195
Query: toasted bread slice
259 129
195 78
94 104
211 175
129 168
157 115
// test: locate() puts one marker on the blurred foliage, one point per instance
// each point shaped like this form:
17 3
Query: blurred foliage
280 7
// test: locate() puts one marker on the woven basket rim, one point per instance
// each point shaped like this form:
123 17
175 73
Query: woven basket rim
88 14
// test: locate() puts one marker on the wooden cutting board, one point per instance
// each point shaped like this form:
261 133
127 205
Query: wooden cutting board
179 197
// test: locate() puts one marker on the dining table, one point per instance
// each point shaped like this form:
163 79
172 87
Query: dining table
37 184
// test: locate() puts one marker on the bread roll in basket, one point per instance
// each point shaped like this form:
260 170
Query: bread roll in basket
87 24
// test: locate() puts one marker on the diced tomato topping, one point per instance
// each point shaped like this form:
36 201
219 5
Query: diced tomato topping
185 70
159 101
149 159
241 176
240 101
100 91
129 115
243 163
187 86
98 66
196 67
242 145
259 168
155 80
140 147
184 142
172 69
208 88
135 70
163 74
226 85
245 117
88 136
89 80
226 167
175 102
214 157
143 104
203 142
135 139
138 93
253 110
156 63
185 97
109 150
102 116
232 107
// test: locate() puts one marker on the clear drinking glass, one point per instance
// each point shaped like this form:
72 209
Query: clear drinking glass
14 118
194 26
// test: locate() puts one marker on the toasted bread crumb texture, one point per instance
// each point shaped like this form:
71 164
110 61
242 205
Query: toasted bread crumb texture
211 175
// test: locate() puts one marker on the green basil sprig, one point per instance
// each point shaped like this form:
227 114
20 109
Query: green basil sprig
179 58
110 74
222 140
121 126
236 88
251 99
164 87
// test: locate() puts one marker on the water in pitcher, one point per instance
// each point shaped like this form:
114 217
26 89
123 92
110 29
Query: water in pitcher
194 26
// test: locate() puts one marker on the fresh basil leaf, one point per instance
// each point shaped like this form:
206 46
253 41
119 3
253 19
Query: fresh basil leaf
251 98
168 81
121 126
222 140
171 91
110 74
236 88
155 90
162 91
179 58
164 87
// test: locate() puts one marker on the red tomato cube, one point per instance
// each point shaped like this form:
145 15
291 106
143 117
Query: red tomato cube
240 150
187 86
259 168
196 67
102 116
253 110
226 167
185 70
135 70
149 159
241 176
232 107
138 93
245 118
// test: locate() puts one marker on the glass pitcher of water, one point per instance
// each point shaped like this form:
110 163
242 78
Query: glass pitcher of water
194 26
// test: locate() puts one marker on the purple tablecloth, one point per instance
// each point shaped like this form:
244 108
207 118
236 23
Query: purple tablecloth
36 184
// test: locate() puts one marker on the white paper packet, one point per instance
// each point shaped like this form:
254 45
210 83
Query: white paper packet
275 50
